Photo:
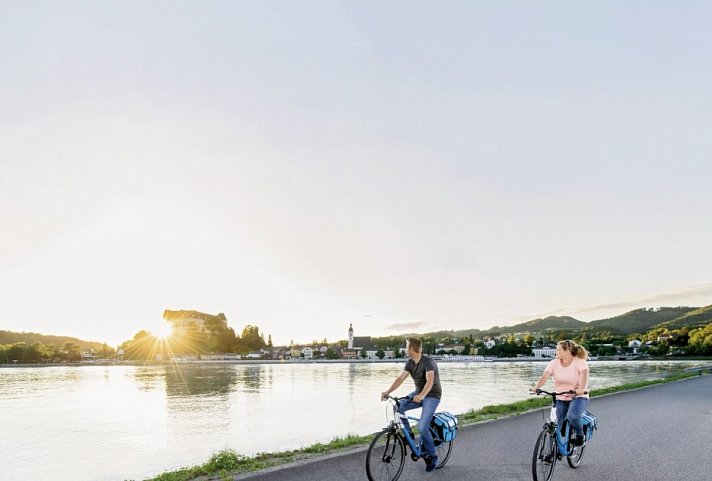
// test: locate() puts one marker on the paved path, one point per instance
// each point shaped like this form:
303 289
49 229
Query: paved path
660 433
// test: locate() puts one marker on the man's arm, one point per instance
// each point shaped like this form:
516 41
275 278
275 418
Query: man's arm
429 380
396 384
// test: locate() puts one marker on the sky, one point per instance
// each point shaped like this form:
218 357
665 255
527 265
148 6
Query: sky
402 166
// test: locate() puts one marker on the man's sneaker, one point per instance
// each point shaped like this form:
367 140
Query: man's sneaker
579 440
430 463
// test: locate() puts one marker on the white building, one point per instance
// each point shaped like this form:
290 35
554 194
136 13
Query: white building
544 351
308 353
490 343
635 345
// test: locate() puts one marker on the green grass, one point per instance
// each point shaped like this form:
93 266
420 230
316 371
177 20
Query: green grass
226 464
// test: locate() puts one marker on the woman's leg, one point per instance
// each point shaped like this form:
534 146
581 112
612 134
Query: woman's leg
576 409
562 407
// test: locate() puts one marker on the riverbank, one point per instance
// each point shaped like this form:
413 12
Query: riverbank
228 464
325 361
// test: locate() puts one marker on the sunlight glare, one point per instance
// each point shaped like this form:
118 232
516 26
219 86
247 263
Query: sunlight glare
162 330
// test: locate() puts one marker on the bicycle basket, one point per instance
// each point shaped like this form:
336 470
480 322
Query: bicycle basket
445 424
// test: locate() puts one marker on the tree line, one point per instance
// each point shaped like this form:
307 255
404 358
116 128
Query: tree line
37 352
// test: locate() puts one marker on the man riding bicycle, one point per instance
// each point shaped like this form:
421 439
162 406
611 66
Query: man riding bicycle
424 372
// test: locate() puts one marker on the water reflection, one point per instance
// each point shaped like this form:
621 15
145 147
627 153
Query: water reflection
199 380
128 422
148 378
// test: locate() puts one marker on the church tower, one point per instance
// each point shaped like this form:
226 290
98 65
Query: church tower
351 336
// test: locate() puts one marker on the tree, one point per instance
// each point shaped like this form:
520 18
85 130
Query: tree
72 351
380 354
252 339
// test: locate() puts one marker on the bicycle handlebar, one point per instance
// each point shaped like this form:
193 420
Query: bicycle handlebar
397 400
541 391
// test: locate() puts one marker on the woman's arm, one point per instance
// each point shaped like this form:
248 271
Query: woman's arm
542 380
583 382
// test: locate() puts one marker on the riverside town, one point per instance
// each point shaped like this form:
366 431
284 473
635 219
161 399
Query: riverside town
648 333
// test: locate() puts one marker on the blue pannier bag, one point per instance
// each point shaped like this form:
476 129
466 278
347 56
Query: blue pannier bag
590 422
445 425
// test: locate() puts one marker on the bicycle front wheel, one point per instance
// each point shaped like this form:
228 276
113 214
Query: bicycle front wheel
385 457
544 458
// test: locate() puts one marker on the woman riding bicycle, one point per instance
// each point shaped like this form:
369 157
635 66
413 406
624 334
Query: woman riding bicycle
570 373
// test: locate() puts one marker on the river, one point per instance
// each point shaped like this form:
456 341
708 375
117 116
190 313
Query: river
112 423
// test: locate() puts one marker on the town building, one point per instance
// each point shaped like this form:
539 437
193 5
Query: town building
360 347
544 351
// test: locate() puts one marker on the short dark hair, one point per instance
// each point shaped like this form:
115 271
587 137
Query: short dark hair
415 343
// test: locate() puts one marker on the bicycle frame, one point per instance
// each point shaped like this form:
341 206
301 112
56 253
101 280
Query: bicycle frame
401 423
562 440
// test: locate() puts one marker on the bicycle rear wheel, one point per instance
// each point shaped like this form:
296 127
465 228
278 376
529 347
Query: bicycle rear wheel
575 459
443 451
544 458
385 457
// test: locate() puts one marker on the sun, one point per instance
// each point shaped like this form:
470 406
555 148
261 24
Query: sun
162 330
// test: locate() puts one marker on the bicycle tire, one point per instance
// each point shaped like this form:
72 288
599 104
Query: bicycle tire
385 457
544 458
443 451
575 460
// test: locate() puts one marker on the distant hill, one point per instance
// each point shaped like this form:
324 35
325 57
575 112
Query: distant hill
639 320
9 337
636 321
551 322
695 318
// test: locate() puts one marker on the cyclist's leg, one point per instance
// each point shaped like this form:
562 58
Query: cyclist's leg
576 409
407 406
430 404
562 408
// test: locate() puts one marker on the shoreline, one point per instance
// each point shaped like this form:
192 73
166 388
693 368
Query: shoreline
321 361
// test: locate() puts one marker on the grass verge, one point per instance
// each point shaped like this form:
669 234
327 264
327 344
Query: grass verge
226 464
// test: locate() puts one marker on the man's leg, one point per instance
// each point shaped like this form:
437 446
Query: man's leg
430 404
407 406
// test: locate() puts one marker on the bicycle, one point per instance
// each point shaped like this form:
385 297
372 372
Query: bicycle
552 445
387 452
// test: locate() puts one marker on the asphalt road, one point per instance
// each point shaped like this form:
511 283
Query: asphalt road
662 432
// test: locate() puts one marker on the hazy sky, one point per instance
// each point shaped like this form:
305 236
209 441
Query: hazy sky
300 165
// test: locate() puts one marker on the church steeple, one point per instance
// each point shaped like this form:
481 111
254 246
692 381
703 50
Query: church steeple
351 336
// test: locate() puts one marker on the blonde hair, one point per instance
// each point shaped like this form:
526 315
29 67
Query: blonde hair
577 350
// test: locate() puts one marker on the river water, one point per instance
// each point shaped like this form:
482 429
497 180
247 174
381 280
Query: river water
113 423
